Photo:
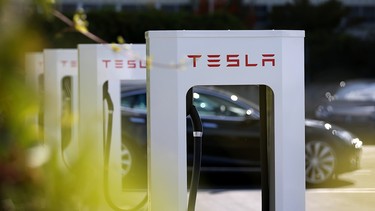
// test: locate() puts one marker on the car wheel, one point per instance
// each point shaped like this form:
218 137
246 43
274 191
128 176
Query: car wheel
320 162
127 160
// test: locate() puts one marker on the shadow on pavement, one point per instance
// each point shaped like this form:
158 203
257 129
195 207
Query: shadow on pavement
334 183
240 181
229 180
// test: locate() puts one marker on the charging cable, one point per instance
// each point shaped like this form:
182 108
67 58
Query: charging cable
66 117
107 150
41 108
197 135
264 103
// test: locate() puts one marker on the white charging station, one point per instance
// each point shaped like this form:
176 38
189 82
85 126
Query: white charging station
61 103
109 64
183 59
34 70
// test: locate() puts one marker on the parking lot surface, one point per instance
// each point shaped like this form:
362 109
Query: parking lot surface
351 191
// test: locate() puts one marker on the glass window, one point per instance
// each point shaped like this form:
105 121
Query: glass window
137 101
360 92
208 105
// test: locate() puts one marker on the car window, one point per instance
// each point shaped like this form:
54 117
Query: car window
209 105
358 92
137 102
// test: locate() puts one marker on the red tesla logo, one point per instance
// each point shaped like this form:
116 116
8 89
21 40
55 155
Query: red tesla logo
120 63
232 60
69 63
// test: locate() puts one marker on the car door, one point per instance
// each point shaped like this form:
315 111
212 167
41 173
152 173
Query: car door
134 117
230 131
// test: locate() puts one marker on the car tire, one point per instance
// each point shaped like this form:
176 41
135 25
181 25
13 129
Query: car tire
126 160
320 161
134 165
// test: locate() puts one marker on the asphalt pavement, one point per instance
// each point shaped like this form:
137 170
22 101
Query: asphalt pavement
354 191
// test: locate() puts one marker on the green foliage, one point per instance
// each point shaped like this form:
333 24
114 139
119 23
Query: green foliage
55 33
17 181
23 184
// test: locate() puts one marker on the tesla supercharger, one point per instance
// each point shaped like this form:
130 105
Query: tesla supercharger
102 69
61 104
180 60
34 70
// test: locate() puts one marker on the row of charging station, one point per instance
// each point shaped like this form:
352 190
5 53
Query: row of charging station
34 67
81 107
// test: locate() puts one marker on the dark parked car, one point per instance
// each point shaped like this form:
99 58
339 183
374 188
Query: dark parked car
231 136
351 106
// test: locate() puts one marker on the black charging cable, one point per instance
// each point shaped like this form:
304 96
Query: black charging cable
66 117
197 135
107 150
41 108
264 103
